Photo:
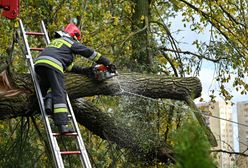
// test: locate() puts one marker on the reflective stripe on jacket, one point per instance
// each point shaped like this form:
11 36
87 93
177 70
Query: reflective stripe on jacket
48 60
59 54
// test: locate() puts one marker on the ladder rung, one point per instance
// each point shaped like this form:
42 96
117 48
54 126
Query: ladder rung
37 49
70 152
35 33
65 134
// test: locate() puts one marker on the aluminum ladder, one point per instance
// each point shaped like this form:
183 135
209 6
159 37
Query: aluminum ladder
52 136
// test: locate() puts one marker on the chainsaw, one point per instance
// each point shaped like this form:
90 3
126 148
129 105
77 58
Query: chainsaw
102 72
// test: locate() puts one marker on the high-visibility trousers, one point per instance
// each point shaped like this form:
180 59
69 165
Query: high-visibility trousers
53 80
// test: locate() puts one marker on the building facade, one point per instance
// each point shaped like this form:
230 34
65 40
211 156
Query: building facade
242 117
217 114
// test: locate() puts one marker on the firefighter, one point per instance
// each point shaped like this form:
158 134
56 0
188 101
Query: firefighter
51 64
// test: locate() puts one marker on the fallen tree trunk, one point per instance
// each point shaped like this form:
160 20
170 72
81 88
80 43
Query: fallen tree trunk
147 85
18 100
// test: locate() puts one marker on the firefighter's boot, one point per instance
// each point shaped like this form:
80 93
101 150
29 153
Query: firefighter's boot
65 129
48 103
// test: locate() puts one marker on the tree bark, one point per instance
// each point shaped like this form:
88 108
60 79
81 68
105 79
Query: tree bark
16 101
140 41
146 85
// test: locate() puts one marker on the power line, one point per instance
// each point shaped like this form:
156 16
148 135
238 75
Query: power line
226 120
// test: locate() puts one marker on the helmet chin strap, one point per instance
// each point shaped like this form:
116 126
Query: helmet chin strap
75 38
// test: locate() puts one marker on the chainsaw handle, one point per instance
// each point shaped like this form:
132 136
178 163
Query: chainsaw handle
111 68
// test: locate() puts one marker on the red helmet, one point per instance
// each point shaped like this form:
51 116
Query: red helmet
73 30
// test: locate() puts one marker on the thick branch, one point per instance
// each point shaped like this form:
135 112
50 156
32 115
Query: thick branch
194 54
109 129
202 122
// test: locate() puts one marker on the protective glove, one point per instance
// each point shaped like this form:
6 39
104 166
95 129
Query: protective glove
111 68
103 60
88 71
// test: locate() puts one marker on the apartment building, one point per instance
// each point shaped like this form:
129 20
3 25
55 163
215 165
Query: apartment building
242 117
223 130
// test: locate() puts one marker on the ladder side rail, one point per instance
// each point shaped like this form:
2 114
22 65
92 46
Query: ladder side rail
52 141
27 48
43 28
84 156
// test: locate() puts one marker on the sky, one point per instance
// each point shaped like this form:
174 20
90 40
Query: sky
208 69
